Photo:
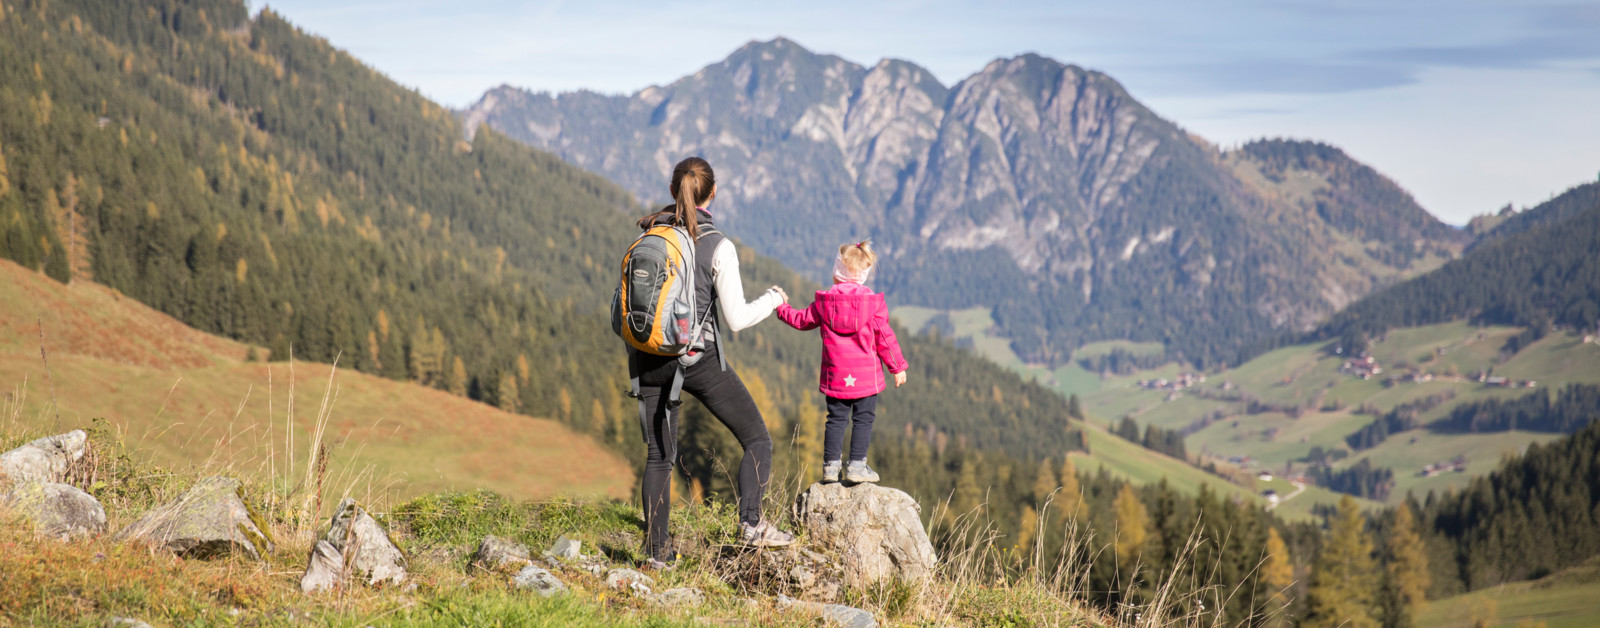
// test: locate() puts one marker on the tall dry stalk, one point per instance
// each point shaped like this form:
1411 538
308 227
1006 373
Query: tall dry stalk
45 357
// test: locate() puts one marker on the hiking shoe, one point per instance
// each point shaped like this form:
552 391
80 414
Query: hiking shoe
830 471
652 564
858 472
764 534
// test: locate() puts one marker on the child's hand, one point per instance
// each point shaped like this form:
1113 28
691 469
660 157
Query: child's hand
899 379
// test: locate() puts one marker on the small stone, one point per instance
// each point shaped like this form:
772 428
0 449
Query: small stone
497 553
127 622
630 580
325 570
847 616
45 459
367 548
566 549
539 580
210 519
681 597
802 577
57 511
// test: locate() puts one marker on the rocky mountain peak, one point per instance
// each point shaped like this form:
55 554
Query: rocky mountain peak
1038 188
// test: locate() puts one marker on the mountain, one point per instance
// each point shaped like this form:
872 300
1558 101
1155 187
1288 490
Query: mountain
1535 269
1042 190
257 183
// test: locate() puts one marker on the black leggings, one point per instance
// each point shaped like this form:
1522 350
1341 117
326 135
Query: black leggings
842 413
725 396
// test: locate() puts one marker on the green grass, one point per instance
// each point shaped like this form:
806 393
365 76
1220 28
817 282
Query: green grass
1133 462
1307 377
1570 599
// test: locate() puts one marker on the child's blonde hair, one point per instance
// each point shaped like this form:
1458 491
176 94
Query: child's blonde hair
858 257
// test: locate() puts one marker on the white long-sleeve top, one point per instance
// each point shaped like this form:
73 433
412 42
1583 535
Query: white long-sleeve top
736 313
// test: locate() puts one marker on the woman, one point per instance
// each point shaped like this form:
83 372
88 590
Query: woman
693 186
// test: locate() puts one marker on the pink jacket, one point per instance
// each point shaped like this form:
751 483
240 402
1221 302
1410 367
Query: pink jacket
855 336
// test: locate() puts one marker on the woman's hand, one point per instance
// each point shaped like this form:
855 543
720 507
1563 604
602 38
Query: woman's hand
899 379
782 296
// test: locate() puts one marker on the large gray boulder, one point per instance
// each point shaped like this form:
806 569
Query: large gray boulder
874 530
44 460
210 519
57 510
365 545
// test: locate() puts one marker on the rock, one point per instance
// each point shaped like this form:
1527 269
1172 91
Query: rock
629 579
847 616
58 511
365 545
210 519
127 622
681 597
566 549
874 530
540 580
325 570
44 460
495 553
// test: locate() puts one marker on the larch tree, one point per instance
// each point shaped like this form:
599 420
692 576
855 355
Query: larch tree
1345 578
1133 525
1277 572
1408 564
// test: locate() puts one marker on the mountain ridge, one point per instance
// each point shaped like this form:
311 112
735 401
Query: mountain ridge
1039 188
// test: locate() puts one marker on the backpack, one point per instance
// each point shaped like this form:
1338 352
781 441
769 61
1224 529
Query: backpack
654 308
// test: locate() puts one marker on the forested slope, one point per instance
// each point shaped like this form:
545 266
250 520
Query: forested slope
1541 272
258 183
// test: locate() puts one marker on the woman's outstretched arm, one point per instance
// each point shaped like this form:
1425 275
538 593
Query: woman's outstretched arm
736 313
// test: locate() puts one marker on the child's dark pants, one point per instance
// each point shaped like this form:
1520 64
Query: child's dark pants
841 413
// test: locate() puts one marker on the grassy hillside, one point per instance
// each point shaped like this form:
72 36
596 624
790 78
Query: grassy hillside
1304 402
183 398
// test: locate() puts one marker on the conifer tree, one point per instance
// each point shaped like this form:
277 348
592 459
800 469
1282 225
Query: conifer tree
1069 502
457 382
1133 523
1408 565
1277 572
1044 484
1074 407
506 396
1345 578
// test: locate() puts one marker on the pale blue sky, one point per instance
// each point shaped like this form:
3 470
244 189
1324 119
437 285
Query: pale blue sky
1467 104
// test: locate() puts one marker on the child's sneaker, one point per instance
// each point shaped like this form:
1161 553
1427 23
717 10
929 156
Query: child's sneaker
764 534
859 472
830 471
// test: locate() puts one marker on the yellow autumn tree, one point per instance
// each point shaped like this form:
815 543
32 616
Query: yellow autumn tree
1277 573
1408 562
1069 501
1345 577
506 395
1133 525
456 383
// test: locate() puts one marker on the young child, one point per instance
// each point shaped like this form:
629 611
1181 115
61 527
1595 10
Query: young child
856 343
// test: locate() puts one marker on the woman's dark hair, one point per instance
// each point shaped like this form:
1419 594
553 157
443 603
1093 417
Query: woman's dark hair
692 180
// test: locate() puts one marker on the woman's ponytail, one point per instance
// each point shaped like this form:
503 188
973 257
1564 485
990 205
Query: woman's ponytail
688 218
692 182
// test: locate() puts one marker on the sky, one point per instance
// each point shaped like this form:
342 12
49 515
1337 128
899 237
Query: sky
1468 105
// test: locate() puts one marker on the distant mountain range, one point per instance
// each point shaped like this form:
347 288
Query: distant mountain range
1040 189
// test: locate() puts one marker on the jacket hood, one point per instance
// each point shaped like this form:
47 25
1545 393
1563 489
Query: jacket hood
847 307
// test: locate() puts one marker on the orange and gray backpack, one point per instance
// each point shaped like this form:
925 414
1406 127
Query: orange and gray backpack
654 308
